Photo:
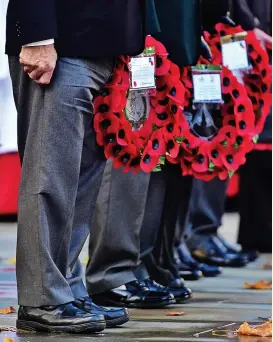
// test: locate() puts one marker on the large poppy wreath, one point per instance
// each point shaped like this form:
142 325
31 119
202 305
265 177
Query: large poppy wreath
223 153
145 148
258 80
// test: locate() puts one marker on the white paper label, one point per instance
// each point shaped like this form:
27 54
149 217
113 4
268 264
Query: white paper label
235 55
143 72
207 87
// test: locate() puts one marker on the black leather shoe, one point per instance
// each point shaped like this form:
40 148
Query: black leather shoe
211 251
187 272
251 255
113 317
134 295
180 294
184 255
66 318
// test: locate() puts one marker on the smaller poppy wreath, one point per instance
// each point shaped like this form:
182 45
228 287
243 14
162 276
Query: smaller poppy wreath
258 80
144 149
222 154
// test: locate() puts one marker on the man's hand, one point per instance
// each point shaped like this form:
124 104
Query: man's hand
264 38
39 62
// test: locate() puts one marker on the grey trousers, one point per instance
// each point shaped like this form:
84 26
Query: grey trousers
126 219
61 176
206 207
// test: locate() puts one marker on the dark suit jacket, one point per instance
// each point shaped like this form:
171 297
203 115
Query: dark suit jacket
81 28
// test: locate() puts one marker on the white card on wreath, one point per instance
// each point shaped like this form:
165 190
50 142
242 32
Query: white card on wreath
142 72
235 55
207 87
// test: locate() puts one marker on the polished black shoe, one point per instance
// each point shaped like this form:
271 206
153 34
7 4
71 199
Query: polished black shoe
180 293
251 255
66 318
211 251
184 255
113 317
134 295
187 272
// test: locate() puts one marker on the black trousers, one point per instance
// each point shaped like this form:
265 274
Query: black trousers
256 202
160 263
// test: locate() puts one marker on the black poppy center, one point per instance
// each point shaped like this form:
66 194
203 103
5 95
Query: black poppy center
105 123
111 137
242 125
241 108
116 150
229 159
170 127
235 93
173 91
214 153
232 123
239 140
226 81
121 134
162 116
200 159
146 159
135 162
170 145
117 115
174 109
259 59
103 108
125 158
155 144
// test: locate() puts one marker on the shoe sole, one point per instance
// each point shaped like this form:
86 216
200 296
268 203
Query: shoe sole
92 327
112 323
135 305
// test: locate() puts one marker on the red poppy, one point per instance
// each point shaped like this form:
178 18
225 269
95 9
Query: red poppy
125 156
227 134
124 136
171 145
244 143
157 144
159 47
177 92
102 121
214 153
229 81
148 160
200 162
112 150
223 174
232 159
160 118
115 101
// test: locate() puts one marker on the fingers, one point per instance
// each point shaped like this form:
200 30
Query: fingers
45 78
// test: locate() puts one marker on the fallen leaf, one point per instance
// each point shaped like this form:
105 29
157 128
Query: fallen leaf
181 313
267 265
7 310
259 285
263 330
7 339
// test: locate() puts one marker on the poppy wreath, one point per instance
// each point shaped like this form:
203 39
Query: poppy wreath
222 154
144 149
258 80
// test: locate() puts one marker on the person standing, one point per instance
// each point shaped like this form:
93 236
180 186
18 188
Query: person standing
61 53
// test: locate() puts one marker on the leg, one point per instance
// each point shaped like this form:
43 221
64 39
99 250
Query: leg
255 230
114 238
51 134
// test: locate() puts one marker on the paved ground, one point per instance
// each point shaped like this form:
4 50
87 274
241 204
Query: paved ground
219 305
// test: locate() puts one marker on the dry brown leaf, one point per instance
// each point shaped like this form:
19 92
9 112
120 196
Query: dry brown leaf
259 285
263 330
7 339
267 265
7 310
176 313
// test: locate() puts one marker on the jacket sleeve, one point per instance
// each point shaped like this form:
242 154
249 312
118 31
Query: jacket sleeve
243 15
36 20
